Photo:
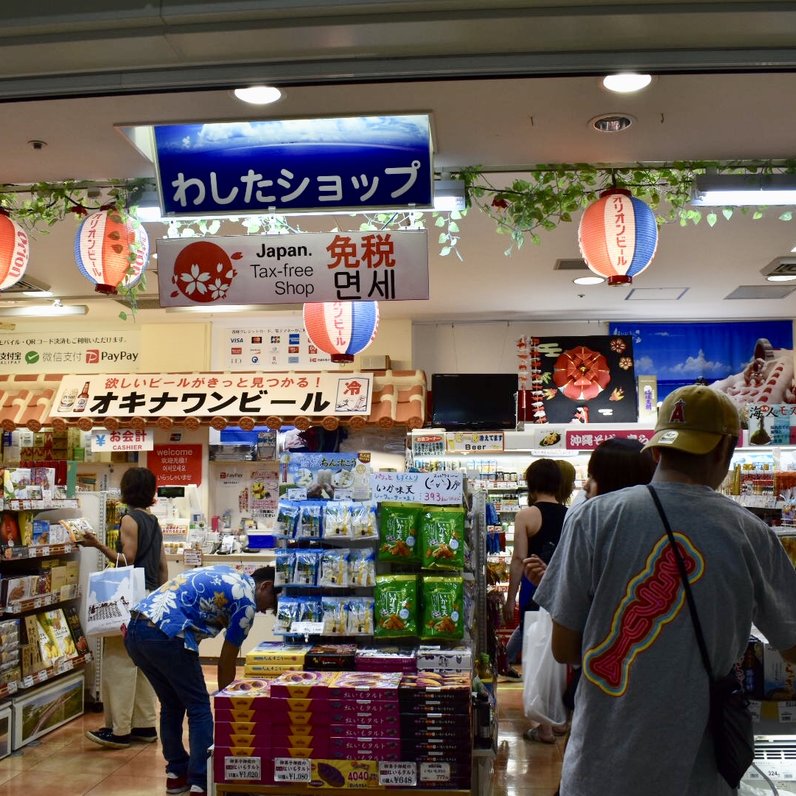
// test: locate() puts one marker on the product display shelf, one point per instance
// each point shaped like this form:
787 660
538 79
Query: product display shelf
304 790
8 689
37 505
19 607
39 551
59 668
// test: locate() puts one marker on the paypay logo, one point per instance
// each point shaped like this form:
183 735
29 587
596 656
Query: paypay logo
92 356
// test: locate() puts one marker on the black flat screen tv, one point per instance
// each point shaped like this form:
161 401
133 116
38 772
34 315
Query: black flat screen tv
473 400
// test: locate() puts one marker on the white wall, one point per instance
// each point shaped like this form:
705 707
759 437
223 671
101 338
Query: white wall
483 347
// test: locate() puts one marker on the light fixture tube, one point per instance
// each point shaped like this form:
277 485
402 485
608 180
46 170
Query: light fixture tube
721 190
43 311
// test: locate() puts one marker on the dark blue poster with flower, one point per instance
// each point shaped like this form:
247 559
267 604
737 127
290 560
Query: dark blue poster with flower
734 357
587 379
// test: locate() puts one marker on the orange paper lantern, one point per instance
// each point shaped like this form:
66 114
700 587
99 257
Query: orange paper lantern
111 249
14 251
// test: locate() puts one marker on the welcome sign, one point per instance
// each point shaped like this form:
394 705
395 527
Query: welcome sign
274 269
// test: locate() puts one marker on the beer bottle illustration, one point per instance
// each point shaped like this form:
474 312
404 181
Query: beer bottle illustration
82 399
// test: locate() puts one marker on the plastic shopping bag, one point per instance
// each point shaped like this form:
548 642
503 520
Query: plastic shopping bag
111 595
543 678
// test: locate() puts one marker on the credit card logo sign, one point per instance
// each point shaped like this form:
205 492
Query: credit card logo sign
92 356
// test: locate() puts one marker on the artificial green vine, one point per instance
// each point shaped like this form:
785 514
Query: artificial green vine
546 196
551 194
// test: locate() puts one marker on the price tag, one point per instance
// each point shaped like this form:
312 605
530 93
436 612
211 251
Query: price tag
307 628
343 494
45 551
435 772
787 711
292 769
403 773
754 709
243 768
297 493
192 558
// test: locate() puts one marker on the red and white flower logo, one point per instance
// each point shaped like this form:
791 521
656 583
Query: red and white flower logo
203 272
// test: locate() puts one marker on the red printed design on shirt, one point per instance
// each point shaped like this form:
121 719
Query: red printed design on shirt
653 598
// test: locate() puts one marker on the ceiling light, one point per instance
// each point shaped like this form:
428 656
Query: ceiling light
44 310
626 82
611 122
449 195
780 269
37 293
588 280
722 190
258 95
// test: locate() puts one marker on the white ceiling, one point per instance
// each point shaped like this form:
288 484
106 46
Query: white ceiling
501 124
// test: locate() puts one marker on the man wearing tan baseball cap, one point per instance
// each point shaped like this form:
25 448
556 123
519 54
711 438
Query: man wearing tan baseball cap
618 605
695 419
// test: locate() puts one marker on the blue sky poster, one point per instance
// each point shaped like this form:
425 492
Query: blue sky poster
680 353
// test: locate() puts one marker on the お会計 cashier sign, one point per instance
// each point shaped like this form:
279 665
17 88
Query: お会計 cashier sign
279 269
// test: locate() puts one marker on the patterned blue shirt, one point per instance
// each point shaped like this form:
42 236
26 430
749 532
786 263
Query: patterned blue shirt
200 603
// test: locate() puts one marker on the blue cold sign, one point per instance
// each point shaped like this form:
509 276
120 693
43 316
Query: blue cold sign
291 165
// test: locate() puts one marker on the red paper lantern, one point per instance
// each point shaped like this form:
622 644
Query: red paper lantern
342 328
14 251
618 235
111 249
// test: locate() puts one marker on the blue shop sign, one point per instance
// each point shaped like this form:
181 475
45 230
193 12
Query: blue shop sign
295 165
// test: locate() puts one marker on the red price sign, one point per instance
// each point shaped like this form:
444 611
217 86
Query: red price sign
176 465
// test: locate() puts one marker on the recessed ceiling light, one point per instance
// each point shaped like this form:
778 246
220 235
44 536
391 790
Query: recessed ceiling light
258 95
611 122
781 278
588 280
626 82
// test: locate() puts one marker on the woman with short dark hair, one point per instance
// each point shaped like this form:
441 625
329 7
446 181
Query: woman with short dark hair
129 702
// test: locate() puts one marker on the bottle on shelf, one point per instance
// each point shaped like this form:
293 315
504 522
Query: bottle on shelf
483 721
82 399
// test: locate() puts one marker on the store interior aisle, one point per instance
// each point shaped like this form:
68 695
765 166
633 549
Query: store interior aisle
522 767
65 763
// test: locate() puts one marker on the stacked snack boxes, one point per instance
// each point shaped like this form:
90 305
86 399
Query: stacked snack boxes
331 657
436 728
243 733
300 714
385 659
365 716
444 661
271 658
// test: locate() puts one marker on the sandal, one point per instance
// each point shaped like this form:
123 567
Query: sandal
534 735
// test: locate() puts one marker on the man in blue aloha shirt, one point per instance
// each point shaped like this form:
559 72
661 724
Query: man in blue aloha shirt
163 640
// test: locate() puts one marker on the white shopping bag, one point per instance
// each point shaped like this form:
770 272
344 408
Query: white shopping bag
543 678
111 595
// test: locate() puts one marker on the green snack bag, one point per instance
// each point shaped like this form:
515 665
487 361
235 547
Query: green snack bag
398 524
443 608
395 606
442 537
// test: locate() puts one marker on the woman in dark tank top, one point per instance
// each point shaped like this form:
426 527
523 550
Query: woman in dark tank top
129 702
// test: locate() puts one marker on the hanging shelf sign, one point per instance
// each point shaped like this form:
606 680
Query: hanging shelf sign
588 440
216 395
289 165
474 441
123 439
285 269
442 489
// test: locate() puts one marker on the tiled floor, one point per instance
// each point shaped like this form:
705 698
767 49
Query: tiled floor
64 763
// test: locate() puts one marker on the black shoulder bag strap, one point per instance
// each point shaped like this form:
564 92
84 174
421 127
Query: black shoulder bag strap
684 575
